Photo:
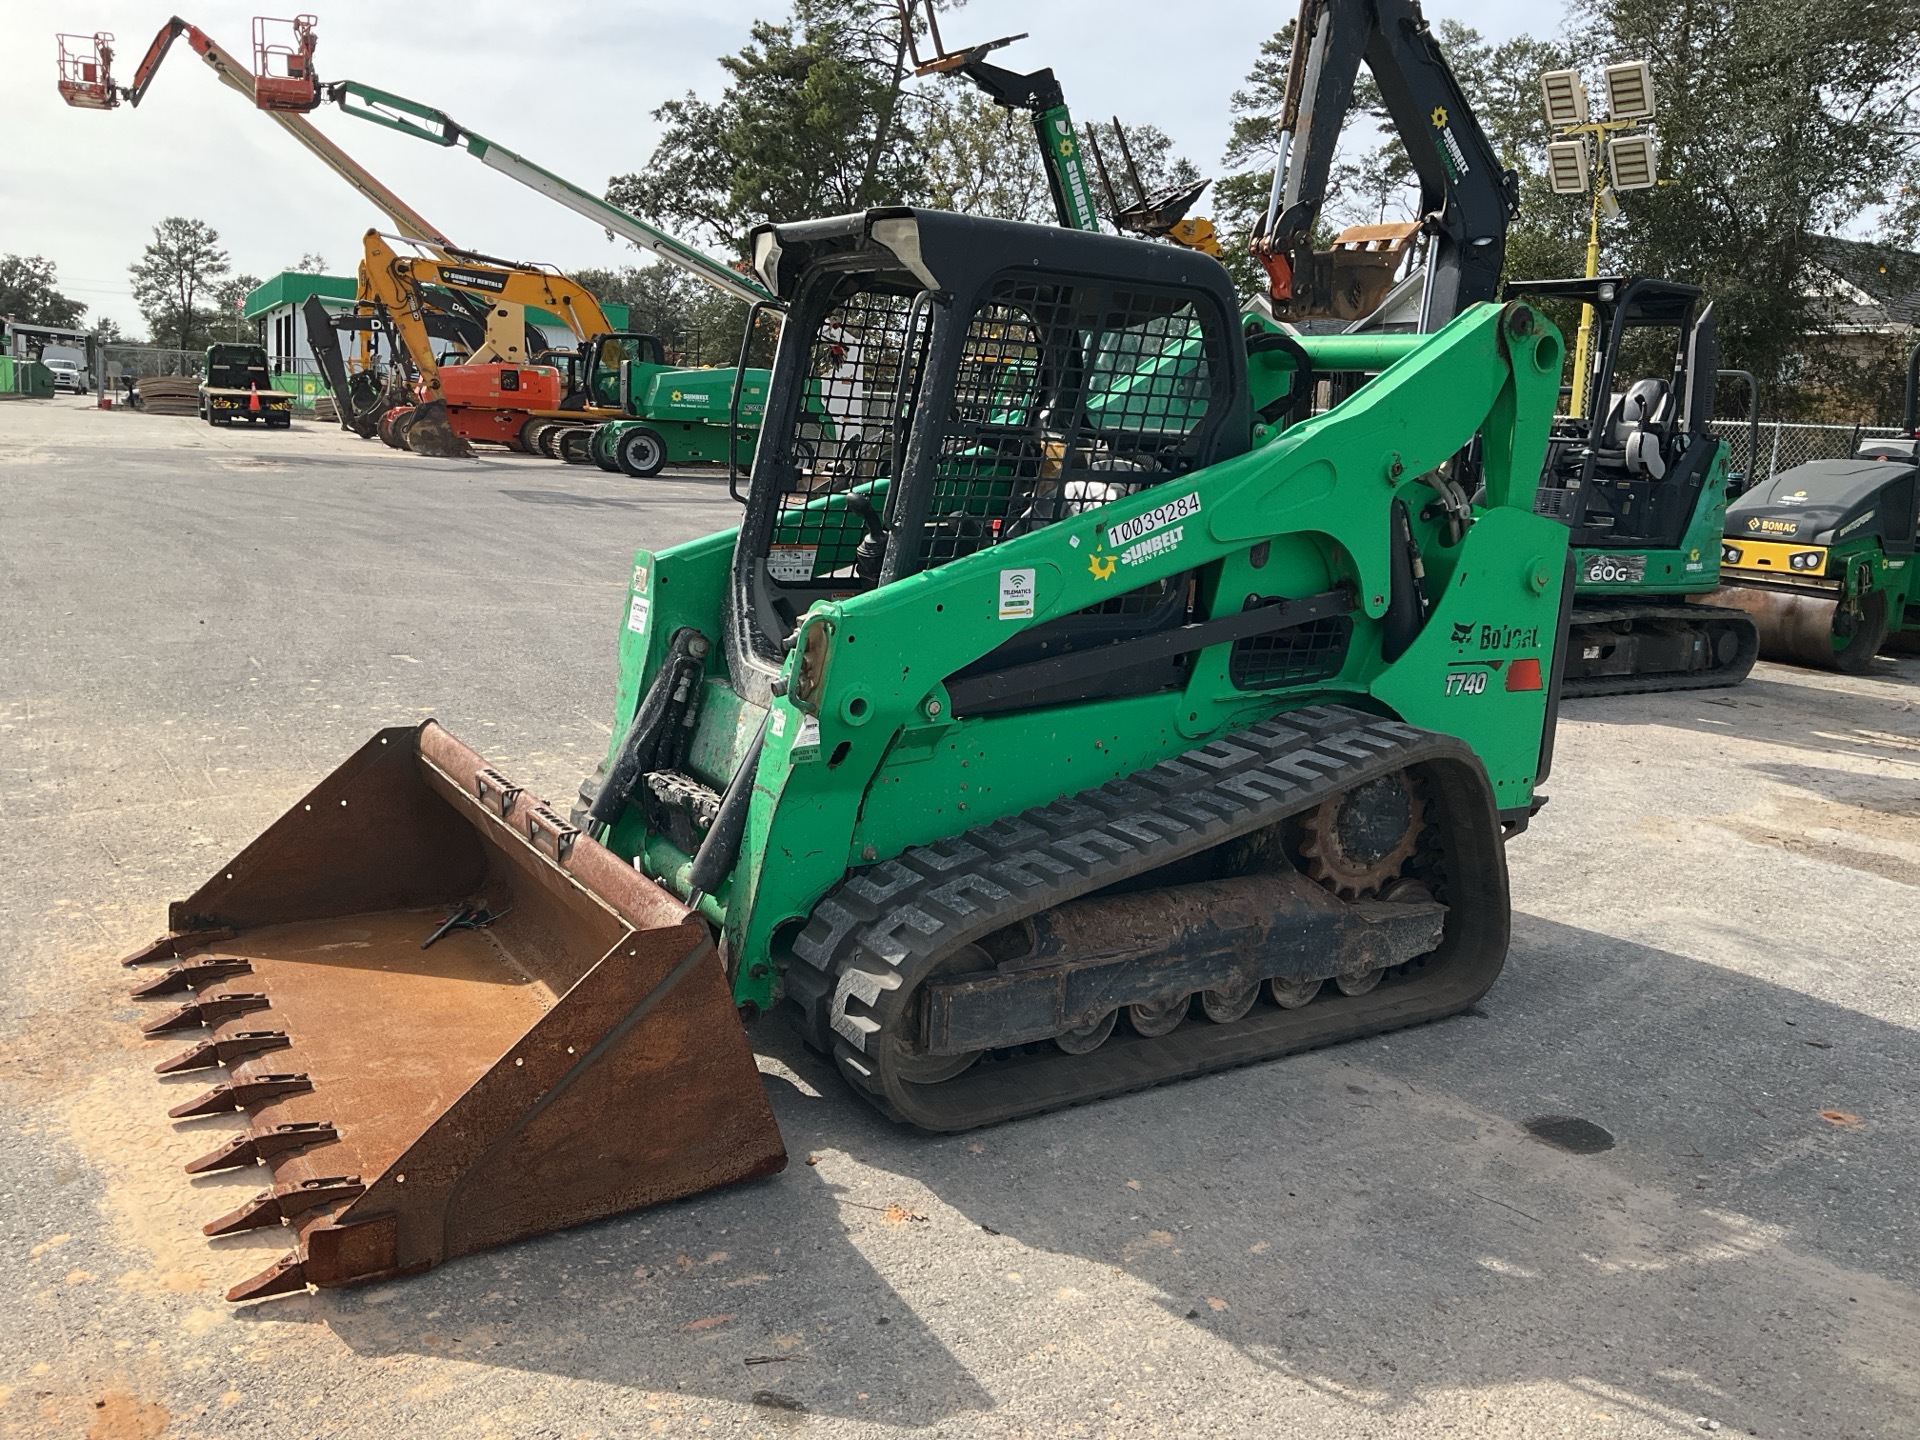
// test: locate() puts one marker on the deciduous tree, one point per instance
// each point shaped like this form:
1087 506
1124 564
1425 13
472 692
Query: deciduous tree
174 280
29 293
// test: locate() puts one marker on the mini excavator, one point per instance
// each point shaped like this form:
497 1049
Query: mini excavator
1642 483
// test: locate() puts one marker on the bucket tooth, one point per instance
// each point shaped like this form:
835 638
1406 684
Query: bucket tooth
238 1094
194 972
208 1010
283 1277
224 1050
283 1202
203 1056
268 1144
262 1210
167 947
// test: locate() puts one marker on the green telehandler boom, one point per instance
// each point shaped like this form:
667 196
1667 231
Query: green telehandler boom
672 414
1099 716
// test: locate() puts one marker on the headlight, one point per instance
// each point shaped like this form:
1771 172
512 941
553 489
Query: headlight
1807 559
1729 554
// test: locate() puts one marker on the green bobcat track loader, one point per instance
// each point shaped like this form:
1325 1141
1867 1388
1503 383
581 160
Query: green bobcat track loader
1073 714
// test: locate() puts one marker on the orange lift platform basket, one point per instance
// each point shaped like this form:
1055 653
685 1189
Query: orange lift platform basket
283 73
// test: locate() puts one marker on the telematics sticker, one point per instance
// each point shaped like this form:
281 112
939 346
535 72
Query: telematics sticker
791 564
1158 518
1016 594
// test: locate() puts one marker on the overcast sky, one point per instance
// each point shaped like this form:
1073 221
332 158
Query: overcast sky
569 84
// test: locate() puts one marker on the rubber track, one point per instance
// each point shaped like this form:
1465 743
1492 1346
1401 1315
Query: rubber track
1572 688
873 939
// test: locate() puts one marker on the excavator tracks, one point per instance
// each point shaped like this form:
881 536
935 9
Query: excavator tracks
891 939
1606 636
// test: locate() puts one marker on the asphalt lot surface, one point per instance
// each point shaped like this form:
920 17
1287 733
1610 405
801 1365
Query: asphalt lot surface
1714 944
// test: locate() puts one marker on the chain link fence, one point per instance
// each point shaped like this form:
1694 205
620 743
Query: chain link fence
1784 444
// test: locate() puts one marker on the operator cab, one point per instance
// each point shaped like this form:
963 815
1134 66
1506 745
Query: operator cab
1630 473
595 380
940 388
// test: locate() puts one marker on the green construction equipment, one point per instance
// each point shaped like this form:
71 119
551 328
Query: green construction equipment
1071 711
1822 555
1038 94
1642 483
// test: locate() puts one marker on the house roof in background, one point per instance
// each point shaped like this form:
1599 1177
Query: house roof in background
292 287
1878 285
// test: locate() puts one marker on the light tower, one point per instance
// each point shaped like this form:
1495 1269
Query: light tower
1630 155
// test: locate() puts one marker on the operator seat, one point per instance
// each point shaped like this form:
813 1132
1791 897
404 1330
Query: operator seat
1638 426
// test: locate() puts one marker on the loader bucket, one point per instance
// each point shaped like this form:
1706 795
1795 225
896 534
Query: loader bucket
449 1021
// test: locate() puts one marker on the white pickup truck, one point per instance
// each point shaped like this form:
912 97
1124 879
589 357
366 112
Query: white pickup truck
69 369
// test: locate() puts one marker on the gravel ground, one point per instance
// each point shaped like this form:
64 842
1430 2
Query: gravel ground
1712 962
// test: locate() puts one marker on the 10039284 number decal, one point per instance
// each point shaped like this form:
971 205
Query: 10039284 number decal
1466 682
1125 532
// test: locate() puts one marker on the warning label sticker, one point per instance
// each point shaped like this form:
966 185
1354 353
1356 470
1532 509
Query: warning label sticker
1016 594
637 615
791 564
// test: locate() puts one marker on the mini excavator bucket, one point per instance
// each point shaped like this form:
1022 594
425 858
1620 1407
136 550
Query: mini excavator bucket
1348 281
449 1021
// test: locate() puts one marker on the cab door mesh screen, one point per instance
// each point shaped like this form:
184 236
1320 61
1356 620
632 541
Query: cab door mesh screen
846 431
1067 396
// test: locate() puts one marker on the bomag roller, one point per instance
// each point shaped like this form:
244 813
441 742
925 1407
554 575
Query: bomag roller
1822 555
1076 712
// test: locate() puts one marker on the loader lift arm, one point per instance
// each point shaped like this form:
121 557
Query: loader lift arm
1467 197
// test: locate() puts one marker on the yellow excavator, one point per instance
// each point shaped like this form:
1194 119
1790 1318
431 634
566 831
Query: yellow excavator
504 391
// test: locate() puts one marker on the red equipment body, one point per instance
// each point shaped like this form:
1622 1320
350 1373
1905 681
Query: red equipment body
491 403
86 71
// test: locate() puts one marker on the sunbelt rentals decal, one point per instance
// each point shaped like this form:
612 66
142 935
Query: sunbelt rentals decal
1144 537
